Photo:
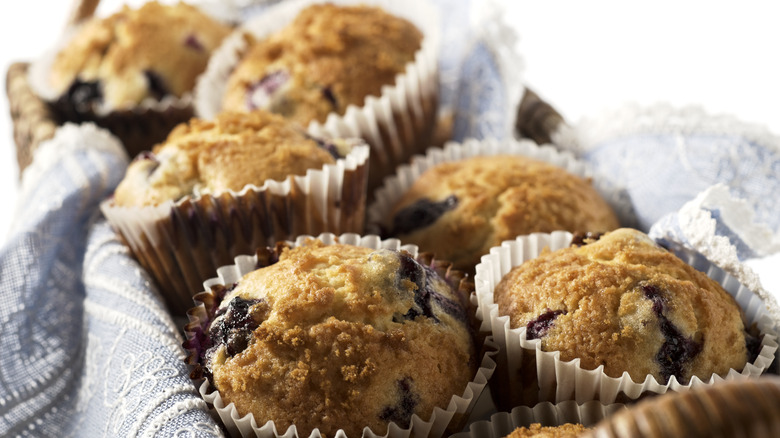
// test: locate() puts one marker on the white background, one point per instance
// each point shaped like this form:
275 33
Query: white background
581 56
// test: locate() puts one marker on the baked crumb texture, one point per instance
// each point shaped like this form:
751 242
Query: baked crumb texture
227 153
327 58
625 303
459 210
150 52
567 430
340 337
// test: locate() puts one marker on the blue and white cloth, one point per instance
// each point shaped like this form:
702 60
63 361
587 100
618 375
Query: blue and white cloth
87 348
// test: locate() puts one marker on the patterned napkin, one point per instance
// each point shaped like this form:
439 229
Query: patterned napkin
87 348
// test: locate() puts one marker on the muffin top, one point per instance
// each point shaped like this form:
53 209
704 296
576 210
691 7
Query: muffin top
625 303
228 153
459 210
327 58
340 337
134 54
566 430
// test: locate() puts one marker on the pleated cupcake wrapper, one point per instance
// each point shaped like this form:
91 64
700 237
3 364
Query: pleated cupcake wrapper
442 421
380 210
183 243
525 365
547 414
397 124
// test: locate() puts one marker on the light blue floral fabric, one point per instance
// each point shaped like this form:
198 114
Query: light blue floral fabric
86 346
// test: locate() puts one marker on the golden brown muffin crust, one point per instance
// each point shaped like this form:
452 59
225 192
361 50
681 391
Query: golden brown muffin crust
334 56
619 295
499 198
172 41
329 353
567 430
228 153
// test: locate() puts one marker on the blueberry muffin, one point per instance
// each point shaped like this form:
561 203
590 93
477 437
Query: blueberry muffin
327 58
460 209
227 153
339 69
622 302
337 337
135 54
567 430
218 188
132 72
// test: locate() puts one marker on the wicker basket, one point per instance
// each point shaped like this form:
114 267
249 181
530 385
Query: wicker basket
536 119
33 121
740 408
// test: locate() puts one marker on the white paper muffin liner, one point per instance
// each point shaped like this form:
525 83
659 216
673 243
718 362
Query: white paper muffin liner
381 207
183 243
440 421
396 124
559 380
547 414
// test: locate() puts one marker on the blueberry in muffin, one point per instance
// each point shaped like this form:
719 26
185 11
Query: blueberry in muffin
118 61
328 58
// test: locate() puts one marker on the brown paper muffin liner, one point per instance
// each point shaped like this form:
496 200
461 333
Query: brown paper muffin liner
530 375
443 420
547 414
139 127
379 214
183 243
397 124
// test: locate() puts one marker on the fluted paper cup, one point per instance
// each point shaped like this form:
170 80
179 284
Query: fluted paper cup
182 243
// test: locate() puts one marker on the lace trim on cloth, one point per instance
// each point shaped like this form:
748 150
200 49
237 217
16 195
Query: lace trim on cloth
665 156
660 118
720 228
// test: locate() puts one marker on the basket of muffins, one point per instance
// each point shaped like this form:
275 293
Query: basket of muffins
340 276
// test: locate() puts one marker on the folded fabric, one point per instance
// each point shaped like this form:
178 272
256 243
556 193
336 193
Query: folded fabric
664 156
